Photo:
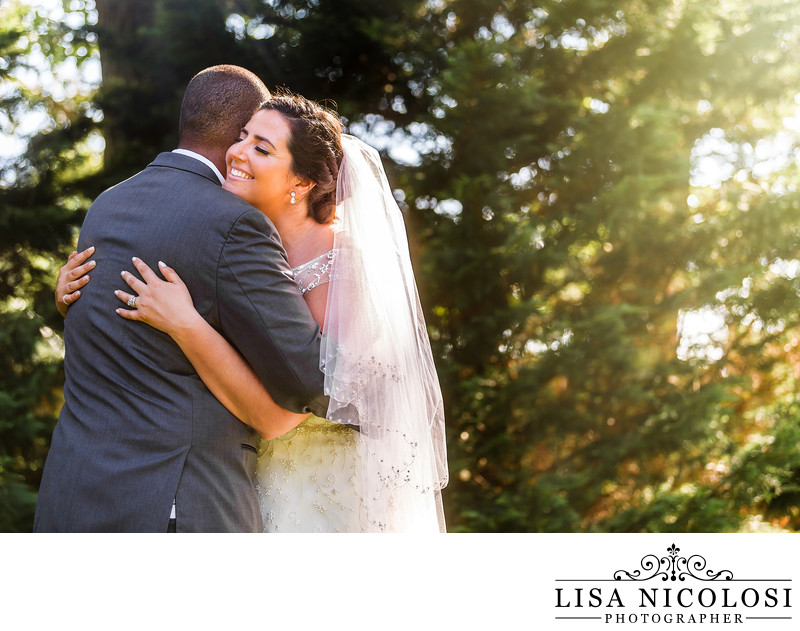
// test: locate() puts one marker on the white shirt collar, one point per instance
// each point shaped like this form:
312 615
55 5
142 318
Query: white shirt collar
202 159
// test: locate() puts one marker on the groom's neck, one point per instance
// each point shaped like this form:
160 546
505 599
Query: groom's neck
216 156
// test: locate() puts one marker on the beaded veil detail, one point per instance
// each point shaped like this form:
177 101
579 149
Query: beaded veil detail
376 354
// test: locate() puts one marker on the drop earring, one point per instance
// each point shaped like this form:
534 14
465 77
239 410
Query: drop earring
293 201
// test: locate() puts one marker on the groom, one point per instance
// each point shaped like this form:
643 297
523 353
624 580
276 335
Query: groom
141 445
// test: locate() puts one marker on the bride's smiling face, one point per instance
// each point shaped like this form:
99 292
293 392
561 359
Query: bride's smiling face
259 164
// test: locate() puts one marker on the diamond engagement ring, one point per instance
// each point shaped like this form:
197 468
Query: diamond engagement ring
132 302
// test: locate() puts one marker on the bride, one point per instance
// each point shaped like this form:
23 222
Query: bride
377 462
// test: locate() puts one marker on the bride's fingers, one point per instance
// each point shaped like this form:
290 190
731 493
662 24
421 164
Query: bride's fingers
68 299
133 282
76 258
124 296
170 274
75 267
143 268
71 277
80 272
131 313
75 285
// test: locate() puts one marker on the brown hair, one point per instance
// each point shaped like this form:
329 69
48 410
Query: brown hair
315 142
217 104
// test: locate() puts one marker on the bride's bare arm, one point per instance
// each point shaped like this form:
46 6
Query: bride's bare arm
167 306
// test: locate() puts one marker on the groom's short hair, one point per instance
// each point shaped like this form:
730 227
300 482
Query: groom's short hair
217 104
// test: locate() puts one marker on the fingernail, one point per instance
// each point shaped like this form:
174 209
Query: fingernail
116 292
116 310
162 264
90 248
123 274
92 263
134 259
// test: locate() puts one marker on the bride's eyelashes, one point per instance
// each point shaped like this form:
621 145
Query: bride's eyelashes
261 150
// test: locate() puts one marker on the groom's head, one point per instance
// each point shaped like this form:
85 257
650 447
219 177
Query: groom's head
217 103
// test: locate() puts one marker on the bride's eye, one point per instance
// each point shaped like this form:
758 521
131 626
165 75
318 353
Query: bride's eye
262 150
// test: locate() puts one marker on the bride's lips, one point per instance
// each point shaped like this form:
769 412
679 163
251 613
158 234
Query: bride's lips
238 174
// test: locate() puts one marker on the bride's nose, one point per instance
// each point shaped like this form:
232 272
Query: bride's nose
236 151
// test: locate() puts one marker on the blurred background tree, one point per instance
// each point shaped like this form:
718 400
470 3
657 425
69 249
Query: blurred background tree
41 199
602 202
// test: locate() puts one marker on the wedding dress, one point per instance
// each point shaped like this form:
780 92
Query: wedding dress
307 478
378 462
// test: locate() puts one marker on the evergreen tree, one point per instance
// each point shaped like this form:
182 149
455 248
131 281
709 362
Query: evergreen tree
567 241
41 208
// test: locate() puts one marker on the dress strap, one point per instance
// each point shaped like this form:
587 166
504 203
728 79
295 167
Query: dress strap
314 273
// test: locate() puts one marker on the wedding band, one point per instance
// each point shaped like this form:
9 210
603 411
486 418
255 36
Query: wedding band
64 300
132 302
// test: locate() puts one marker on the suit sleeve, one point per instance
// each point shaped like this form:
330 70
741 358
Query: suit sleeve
264 316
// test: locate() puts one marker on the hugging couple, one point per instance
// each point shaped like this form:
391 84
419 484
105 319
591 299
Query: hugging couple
245 347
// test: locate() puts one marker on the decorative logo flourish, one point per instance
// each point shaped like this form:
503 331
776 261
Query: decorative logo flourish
673 568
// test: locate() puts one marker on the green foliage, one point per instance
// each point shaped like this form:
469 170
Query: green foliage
563 219
41 208
556 288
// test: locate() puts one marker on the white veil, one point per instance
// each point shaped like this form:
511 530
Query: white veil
376 355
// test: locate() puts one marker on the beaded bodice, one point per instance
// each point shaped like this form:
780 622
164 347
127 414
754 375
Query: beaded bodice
314 273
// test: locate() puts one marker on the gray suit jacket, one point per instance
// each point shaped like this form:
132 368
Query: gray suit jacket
138 427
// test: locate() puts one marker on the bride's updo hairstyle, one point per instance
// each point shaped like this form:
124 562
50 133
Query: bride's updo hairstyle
315 142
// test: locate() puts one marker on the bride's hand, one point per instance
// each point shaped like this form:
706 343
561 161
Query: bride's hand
71 277
163 304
